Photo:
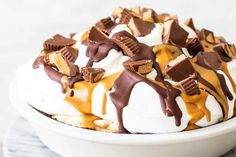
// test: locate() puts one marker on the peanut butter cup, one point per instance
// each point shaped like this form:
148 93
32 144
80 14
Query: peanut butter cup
127 44
57 42
139 66
92 75
179 69
174 34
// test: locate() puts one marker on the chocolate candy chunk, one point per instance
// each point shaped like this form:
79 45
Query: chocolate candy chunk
63 65
149 15
174 34
207 39
139 66
193 46
129 46
126 16
92 75
137 10
117 12
69 53
58 42
179 69
206 35
47 57
189 22
220 39
139 27
189 86
163 17
124 33
72 35
174 17
105 24
226 51
96 35
209 59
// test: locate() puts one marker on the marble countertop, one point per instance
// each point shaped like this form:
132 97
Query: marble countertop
25 24
21 140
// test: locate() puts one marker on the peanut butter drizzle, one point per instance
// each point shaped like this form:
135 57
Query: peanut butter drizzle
191 127
163 57
87 121
104 102
211 77
83 91
225 69
196 107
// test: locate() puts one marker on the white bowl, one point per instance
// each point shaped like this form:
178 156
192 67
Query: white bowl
70 141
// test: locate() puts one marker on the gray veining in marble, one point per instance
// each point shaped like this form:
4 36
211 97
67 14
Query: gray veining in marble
21 141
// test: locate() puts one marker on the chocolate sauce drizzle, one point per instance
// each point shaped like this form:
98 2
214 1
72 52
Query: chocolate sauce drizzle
122 90
56 76
200 61
37 62
124 84
99 50
73 80
222 82
145 52
120 97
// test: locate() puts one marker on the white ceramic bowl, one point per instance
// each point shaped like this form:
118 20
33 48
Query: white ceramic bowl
70 141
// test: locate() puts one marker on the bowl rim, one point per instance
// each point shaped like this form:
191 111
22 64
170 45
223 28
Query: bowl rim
38 119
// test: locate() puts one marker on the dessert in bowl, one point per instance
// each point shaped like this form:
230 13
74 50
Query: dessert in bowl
143 78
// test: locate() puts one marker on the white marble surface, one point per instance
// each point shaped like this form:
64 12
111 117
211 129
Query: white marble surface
24 24
22 141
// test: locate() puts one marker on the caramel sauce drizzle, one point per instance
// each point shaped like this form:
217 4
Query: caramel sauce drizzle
163 57
87 121
104 102
225 69
211 77
83 91
191 127
196 107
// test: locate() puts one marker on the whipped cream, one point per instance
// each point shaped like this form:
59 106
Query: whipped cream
39 91
143 114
